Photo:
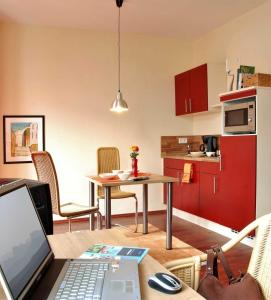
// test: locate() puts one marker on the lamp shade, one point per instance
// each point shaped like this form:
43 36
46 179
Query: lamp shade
119 105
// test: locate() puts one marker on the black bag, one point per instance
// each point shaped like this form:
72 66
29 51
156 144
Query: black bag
244 287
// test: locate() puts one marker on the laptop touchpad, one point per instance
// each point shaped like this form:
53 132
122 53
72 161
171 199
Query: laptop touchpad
122 286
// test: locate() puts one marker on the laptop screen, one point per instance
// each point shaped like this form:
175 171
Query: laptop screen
24 245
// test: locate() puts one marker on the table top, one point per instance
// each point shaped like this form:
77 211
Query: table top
152 178
72 245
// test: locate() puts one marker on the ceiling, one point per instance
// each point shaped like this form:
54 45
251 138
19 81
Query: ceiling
182 18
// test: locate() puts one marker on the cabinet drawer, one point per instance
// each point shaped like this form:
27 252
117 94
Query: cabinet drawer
209 167
179 164
173 163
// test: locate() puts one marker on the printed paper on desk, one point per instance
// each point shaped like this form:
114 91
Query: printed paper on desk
187 173
114 252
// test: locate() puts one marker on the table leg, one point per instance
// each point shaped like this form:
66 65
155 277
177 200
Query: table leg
107 197
145 208
91 203
169 216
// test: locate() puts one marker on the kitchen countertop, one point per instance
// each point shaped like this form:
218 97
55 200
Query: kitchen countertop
188 157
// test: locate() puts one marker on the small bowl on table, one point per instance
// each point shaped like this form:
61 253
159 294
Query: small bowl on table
107 175
124 175
116 172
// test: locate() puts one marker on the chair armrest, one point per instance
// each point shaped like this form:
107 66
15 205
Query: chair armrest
186 269
241 235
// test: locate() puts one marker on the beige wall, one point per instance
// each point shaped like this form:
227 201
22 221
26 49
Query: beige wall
70 76
246 41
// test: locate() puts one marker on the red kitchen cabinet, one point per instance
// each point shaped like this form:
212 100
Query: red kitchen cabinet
189 198
209 194
238 181
182 93
185 195
198 89
191 91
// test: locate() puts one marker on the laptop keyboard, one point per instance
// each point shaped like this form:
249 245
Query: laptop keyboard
83 281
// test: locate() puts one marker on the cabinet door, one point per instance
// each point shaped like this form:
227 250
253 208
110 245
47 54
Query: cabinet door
238 180
176 187
209 204
198 100
189 201
182 93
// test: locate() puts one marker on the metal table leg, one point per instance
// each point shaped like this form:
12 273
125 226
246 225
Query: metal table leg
107 197
169 216
145 208
91 203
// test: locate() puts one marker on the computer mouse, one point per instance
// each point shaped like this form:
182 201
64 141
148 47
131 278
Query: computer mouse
165 283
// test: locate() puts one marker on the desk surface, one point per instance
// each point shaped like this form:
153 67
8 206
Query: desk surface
153 178
72 245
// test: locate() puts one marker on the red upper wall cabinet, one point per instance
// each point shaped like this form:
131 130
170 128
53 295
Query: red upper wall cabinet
191 91
182 93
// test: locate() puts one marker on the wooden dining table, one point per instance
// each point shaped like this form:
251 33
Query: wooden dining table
107 184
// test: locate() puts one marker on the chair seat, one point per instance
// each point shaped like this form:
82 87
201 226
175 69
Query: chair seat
118 195
73 209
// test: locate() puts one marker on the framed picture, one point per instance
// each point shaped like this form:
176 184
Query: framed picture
22 135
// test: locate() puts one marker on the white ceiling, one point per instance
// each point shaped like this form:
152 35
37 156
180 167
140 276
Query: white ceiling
182 18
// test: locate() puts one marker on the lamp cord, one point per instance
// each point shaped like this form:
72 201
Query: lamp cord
119 48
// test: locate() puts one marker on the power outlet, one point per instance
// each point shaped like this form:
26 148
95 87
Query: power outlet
182 140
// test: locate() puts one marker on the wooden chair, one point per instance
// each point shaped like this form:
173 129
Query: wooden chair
108 159
188 269
46 172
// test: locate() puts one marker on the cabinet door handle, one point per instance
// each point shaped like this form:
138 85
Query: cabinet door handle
220 162
179 175
214 185
185 105
190 104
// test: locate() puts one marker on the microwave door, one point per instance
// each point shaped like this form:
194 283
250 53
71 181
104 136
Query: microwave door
236 117
236 121
240 118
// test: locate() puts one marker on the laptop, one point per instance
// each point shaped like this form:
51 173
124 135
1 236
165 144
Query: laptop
28 269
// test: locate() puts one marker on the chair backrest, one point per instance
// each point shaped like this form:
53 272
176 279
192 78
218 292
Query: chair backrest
108 159
46 172
260 262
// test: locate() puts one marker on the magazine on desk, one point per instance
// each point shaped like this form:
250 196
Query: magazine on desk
112 252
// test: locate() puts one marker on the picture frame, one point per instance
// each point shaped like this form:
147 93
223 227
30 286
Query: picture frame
22 134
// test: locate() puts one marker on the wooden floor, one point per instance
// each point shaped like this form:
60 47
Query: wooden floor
192 234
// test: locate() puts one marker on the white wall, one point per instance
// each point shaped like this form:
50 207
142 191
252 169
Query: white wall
245 41
70 76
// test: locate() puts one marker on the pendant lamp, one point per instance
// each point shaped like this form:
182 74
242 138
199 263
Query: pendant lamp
119 105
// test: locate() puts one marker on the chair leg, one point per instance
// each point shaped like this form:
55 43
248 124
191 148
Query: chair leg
99 220
136 213
98 203
69 225
91 215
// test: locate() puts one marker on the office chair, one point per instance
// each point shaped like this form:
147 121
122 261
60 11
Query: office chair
46 172
108 159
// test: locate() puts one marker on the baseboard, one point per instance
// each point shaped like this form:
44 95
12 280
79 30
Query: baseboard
223 230
85 219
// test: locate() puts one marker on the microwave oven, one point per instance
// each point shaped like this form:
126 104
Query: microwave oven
239 117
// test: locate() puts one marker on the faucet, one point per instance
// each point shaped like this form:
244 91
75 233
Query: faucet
188 147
